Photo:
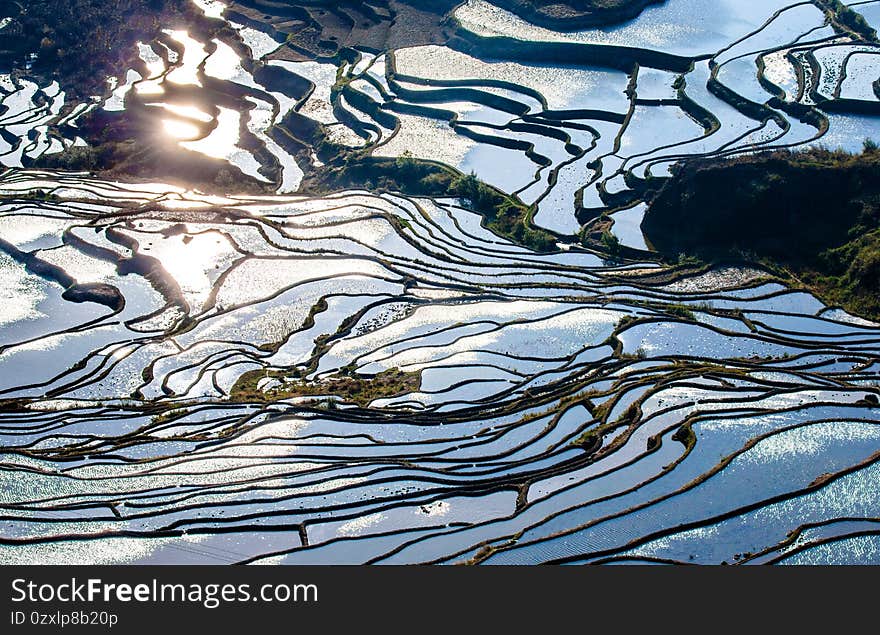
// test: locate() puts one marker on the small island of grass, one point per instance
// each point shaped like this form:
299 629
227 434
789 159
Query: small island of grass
274 385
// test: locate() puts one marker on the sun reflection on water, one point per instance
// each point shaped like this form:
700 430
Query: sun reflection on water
189 112
180 130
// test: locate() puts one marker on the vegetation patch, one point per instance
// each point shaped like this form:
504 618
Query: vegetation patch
170 415
682 311
354 388
847 20
591 438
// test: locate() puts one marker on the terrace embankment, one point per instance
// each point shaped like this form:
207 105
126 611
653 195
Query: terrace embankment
503 214
813 213
576 14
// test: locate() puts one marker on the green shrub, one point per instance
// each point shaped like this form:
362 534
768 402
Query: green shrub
610 242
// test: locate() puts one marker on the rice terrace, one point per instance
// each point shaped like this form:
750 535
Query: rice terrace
440 281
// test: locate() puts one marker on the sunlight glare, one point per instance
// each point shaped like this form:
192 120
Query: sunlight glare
180 129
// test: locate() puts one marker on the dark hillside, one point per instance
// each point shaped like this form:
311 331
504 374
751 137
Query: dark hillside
816 212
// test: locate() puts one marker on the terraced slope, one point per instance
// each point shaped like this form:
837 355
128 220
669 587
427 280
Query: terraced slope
209 363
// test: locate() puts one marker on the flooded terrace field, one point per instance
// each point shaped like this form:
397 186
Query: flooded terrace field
274 375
